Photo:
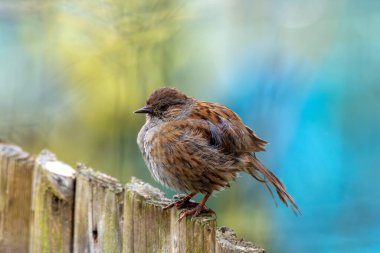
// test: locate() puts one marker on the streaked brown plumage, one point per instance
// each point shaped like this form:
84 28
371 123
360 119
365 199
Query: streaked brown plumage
199 147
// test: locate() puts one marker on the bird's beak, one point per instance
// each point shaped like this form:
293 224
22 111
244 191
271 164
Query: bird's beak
145 109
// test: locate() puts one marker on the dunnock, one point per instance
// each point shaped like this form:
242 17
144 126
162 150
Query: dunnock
195 147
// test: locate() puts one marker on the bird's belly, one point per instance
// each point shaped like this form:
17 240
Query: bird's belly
184 179
164 174
159 171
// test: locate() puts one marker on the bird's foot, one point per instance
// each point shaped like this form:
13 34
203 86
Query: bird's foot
194 211
181 203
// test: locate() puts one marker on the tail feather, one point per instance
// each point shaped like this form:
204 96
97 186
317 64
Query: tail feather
268 176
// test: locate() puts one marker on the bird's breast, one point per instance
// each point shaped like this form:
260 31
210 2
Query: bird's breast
145 141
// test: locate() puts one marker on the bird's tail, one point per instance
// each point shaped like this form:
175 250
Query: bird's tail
267 176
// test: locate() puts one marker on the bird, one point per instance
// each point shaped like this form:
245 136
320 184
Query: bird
194 146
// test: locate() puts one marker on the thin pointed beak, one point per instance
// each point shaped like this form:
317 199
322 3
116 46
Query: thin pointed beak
145 109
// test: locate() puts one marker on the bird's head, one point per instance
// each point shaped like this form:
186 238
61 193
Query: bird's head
166 103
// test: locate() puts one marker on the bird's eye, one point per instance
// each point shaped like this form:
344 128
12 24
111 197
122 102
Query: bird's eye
164 107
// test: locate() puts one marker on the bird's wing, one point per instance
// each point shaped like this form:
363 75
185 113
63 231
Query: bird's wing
185 148
227 128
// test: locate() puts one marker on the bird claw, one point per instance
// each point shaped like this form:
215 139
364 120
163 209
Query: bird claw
182 202
196 211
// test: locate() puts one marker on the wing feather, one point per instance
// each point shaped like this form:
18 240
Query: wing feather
233 135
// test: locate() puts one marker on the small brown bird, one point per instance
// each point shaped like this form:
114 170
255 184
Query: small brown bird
195 147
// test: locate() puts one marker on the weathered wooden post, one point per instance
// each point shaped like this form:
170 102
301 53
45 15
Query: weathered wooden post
98 213
16 170
193 234
52 205
146 226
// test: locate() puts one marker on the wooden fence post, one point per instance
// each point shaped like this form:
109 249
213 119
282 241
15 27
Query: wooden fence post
146 227
16 169
193 234
52 205
98 210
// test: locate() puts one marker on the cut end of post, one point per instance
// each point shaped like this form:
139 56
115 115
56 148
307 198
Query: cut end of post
228 242
60 168
49 162
147 191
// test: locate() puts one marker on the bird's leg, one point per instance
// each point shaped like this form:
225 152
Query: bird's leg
181 202
196 210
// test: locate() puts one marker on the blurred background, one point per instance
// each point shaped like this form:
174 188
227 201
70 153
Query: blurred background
303 74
